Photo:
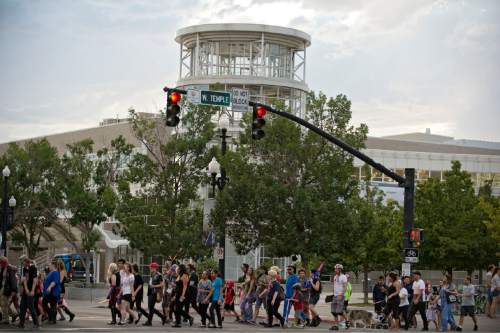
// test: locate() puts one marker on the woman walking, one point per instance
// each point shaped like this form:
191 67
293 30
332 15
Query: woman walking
448 295
249 288
181 286
126 287
393 300
203 297
62 305
273 300
138 293
51 292
114 291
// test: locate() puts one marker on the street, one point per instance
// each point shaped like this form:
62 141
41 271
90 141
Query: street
92 317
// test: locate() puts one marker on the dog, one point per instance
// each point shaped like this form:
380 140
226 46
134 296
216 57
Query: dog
360 315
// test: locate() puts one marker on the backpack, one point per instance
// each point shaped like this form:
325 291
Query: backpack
281 293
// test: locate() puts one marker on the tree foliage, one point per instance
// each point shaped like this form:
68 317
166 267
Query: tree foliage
35 184
455 235
159 208
288 191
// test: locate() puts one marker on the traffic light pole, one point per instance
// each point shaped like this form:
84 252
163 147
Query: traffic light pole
5 216
223 180
407 182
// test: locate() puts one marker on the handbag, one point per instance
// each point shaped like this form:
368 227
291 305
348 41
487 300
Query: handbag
328 298
450 298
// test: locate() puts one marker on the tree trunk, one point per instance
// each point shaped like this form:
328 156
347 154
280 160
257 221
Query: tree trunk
365 284
87 269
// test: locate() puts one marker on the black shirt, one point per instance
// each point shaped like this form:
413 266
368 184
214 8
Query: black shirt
193 285
118 279
138 281
315 292
30 274
154 280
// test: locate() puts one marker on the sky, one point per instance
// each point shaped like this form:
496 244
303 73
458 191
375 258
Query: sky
406 65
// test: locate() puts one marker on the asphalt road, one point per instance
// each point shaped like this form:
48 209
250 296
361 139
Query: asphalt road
92 317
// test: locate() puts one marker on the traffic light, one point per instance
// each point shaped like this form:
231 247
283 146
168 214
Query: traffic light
416 236
258 122
173 108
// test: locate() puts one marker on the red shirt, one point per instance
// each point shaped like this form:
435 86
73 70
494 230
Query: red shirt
297 305
229 296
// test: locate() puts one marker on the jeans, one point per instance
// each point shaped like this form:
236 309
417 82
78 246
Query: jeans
272 310
247 306
152 310
286 308
420 307
215 307
52 309
447 317
203 308
27 302
138 307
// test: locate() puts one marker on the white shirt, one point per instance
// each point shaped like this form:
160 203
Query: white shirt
419 288
403 295
339 284
127 283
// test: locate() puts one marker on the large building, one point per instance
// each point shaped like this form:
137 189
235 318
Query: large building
271 62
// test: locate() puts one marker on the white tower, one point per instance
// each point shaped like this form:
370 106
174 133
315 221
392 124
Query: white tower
270 61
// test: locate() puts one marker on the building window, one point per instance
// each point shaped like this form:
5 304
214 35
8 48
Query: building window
436 174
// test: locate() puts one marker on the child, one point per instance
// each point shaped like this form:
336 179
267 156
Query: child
229 295
468 302
298 306
432 308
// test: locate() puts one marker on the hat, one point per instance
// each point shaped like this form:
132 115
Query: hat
153 265
339 266
276 269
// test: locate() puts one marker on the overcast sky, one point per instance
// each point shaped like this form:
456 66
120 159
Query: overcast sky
406 65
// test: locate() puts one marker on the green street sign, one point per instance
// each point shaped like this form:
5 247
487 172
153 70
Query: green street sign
215 98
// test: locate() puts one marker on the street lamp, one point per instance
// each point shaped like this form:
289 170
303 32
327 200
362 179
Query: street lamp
214 168
7 209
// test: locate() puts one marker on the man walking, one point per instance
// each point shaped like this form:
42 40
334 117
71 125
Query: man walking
417 302
290 281
8 287
339 287
379 294
29 281
155 286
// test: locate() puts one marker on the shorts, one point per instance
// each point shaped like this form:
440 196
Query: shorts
313 300
490 296
260 300
496 293
337 307
229 307
127 297
467 310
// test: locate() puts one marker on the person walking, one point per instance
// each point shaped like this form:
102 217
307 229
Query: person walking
417 301
203 297
181 286
192 291
489 291
393 300
155 286
403 302
291 280
62 304
495 292
339 287
8 288
448 295
28 285
249 287
261 292
305 293
273 300
216 300
138 293
51 292
316 289
114 291
379 295
126 288
467 304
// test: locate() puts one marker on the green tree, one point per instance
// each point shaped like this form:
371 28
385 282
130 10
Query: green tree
35 184
372 239
89 195
489 207
160 211
288 190
455 237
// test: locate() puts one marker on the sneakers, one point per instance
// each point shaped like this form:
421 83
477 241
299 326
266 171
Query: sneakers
458 329
475 327
71 317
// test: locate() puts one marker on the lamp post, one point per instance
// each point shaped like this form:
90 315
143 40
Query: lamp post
220 180
7 209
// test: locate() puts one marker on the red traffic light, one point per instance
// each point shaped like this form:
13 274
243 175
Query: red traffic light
175 97
261 111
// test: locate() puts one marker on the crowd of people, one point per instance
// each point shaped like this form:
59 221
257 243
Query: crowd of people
398 301
173 290
34 294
